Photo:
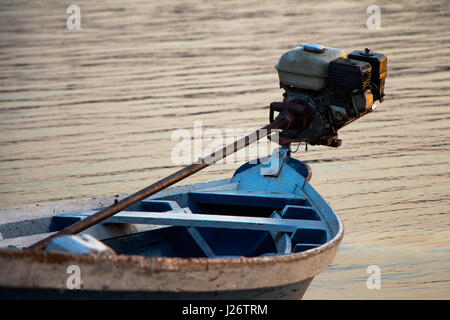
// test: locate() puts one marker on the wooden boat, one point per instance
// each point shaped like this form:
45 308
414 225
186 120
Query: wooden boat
262 234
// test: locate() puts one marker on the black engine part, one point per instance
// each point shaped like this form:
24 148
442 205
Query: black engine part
350 74
378 61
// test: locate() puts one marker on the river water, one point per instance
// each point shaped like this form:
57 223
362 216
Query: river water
92 112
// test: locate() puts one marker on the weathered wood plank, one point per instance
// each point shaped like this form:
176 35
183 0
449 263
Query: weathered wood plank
180 218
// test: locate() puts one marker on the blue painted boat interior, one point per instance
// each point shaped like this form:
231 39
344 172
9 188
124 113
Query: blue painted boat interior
229 224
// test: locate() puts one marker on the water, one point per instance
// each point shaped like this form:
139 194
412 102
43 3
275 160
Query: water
91 113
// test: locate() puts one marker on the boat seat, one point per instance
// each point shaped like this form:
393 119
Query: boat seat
248 198
256 229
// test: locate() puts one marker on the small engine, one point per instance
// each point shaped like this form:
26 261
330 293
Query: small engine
337 89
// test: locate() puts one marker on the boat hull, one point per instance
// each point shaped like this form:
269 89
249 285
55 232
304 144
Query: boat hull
292 291
272 277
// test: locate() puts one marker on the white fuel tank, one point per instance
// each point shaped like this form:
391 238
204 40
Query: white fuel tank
306 66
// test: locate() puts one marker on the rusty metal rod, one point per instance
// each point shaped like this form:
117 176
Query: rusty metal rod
280 122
